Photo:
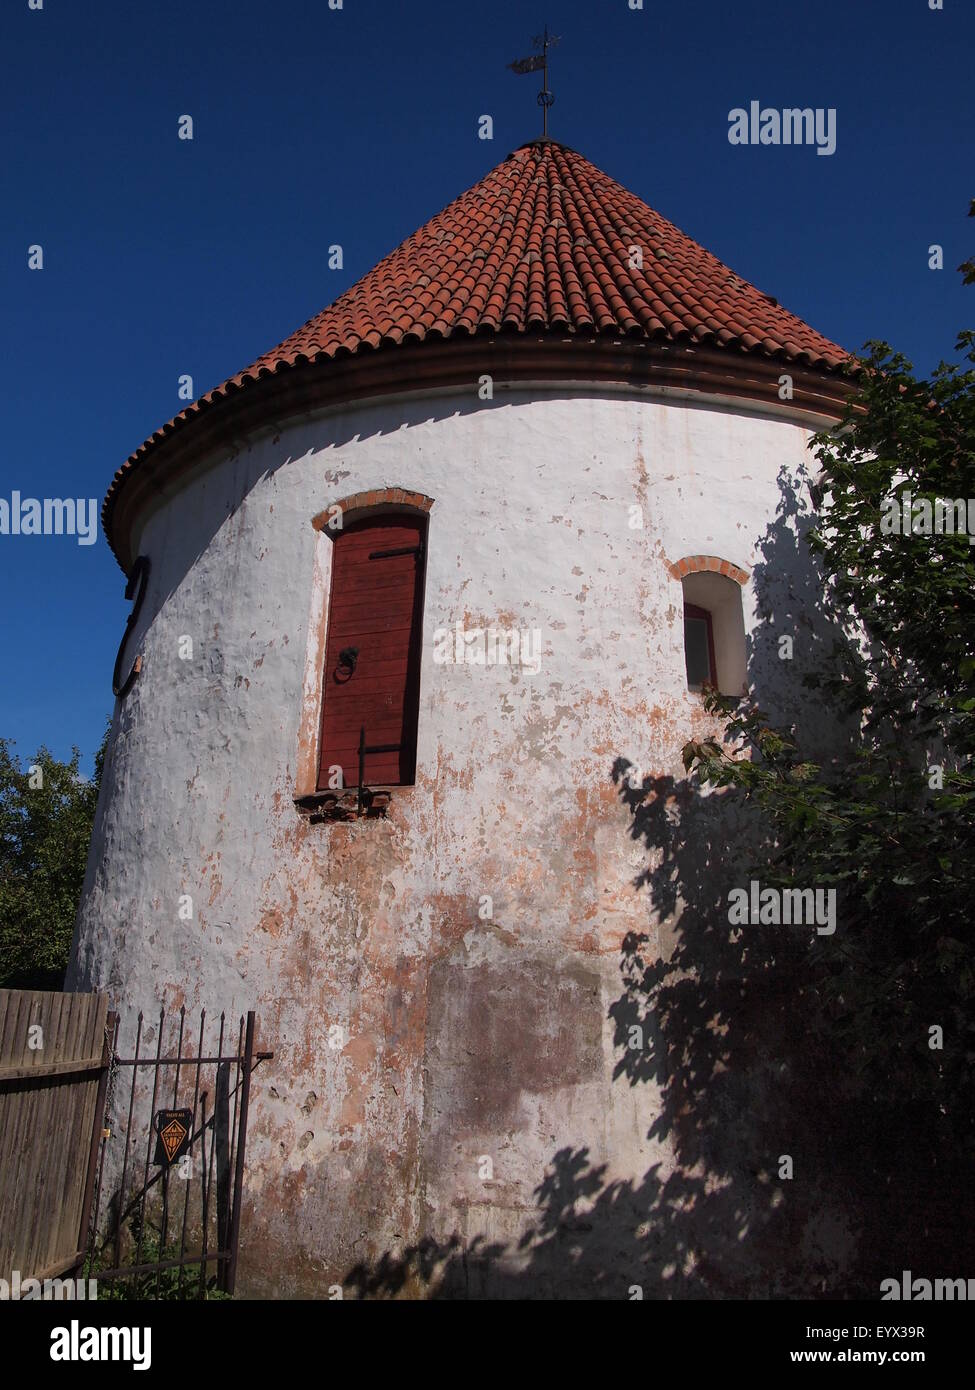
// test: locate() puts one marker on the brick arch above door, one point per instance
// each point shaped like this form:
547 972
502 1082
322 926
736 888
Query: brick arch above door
698 564
359 505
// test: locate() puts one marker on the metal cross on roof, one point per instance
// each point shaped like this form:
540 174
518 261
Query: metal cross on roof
538 62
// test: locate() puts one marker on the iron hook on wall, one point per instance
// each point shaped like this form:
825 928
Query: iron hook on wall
135 588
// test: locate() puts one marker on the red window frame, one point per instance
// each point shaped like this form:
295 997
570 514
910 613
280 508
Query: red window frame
691 610
357 646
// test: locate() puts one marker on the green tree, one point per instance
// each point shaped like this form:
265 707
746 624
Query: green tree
46 816
890 825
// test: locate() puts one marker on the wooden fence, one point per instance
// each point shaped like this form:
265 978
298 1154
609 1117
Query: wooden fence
54 1061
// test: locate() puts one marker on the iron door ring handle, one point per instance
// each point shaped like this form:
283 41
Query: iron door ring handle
348 657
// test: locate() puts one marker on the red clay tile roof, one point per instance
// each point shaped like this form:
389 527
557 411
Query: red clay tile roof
542 243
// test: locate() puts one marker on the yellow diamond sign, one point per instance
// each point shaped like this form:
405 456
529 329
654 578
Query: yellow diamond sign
173 1128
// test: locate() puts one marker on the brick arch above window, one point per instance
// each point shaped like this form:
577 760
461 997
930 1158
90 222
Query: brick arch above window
698 564
360 505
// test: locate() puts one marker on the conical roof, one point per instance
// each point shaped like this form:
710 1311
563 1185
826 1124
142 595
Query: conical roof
545 246
546 240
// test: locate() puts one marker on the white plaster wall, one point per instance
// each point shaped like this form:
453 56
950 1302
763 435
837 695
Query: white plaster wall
375 926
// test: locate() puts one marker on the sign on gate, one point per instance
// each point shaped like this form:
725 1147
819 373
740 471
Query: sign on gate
173 1128
164 1230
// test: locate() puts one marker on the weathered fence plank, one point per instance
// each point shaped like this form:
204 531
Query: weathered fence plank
49 1087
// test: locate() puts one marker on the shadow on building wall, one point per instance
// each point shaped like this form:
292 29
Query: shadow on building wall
726 1024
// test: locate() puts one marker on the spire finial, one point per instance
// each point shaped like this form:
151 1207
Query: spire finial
539 63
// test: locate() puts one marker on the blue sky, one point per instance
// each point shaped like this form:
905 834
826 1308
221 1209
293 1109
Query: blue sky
314 126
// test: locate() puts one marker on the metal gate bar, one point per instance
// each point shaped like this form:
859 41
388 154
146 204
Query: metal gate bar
225 1133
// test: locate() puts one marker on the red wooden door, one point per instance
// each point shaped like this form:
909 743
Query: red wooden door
375 607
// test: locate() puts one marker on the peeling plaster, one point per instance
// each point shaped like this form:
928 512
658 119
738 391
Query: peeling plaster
463 1036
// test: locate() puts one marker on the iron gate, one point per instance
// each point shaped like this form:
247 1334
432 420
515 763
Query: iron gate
174 1212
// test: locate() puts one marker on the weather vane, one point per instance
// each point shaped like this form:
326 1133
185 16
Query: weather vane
538 62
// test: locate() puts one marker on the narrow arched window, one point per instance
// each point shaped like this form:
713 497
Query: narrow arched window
699 648
714 633
371 688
